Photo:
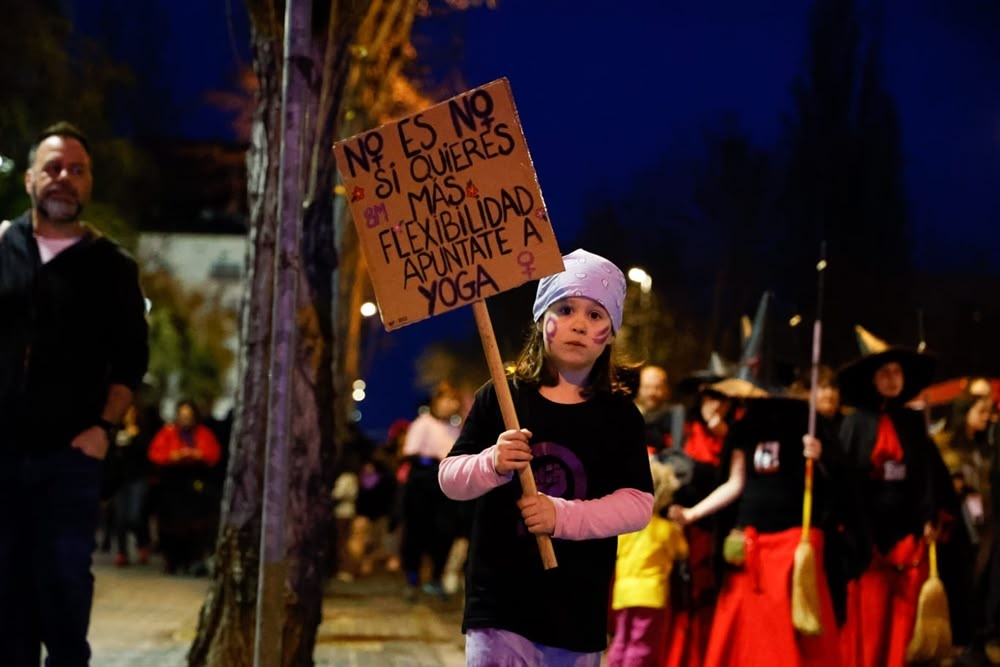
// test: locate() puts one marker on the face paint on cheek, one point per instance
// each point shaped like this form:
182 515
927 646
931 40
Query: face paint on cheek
551 327
601 337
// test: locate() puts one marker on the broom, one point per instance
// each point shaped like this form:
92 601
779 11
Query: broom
805 585
932 631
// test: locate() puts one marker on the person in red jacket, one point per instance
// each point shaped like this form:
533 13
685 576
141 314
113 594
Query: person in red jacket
187 500
186 441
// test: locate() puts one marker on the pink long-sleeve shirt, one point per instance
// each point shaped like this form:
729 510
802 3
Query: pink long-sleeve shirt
469 476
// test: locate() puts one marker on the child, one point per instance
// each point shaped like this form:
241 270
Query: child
588 455
428 517
642 573
689 620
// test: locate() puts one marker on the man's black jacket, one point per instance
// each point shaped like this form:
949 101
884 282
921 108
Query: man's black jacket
68 330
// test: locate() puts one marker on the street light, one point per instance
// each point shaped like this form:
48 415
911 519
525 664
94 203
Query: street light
364 354
643 279
645 282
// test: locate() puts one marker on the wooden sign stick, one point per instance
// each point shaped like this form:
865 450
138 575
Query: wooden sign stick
448 210
499 377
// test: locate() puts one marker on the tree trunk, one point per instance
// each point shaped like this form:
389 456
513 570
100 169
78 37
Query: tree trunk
227 623
366 42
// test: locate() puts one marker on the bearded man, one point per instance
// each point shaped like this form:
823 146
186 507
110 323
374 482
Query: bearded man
73 350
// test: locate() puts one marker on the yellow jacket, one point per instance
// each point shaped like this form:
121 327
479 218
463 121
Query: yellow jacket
645 559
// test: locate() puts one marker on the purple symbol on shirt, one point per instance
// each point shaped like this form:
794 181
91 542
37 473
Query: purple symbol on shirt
558 472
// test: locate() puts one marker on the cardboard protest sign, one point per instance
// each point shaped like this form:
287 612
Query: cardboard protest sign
447 206
449 213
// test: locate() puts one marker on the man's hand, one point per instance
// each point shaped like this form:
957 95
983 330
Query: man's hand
93 442
513 451
811 447
931 532
186 454
539 514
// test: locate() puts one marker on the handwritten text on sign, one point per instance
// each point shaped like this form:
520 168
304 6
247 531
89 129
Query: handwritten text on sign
447 206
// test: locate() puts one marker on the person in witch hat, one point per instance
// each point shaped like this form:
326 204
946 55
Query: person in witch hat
905 491
696 459
765 453
694 586
704 418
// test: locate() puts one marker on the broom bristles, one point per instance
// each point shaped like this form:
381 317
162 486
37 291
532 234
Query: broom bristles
932 631
805 592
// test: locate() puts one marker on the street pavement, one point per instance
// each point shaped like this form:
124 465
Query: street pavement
142 617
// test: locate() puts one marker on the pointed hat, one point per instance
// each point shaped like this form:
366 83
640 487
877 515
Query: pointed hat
868 342
746 329
718 369
755 373
751 337
765 361
856 379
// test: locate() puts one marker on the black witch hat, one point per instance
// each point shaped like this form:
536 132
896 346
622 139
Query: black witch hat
757 373
856 379
696 381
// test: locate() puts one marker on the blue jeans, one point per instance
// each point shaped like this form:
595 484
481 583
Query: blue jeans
48 520
129 514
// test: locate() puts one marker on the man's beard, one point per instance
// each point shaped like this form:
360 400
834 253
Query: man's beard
58 210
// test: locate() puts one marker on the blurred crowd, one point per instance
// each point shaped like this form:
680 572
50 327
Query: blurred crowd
162 488
390 512
164 483
877 527
392 517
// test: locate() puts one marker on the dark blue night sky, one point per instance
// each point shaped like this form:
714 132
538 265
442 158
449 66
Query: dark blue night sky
604 92
605 89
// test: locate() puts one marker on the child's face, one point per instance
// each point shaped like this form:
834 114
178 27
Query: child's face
889 380
576 330
446 405
713 410
978 416
827 400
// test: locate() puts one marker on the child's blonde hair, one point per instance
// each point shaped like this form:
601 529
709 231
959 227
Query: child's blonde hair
664 484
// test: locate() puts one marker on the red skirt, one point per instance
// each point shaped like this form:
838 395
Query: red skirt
753 620
882 607
686 631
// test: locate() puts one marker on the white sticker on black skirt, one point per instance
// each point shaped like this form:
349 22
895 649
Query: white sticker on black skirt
894 471
766 457
974 508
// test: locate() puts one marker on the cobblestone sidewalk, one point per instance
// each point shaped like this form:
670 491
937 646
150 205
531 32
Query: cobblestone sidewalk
142 618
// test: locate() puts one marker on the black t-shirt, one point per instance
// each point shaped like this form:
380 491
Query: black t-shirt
581 451
770 437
